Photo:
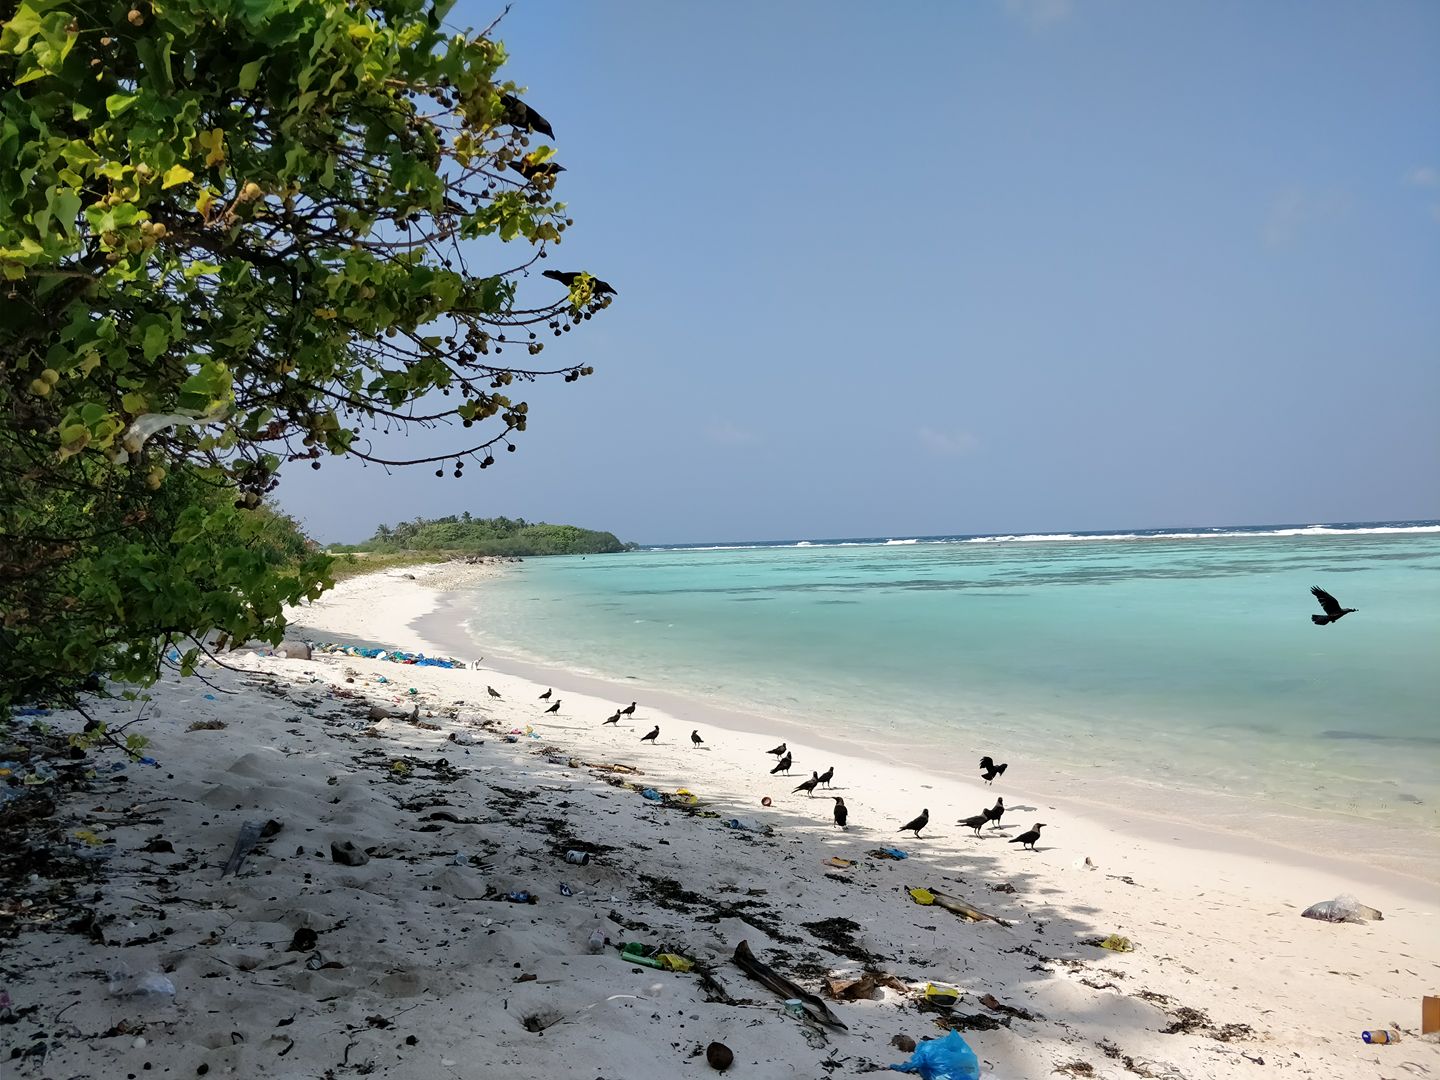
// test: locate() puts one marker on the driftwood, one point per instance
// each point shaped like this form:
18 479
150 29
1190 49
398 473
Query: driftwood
778 984
959 907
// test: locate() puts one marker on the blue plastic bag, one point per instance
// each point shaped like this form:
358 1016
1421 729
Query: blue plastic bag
949 1058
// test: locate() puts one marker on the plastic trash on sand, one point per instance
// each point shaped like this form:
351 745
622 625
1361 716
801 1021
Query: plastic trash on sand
651 794
148 984
922 896
949 1058
636 952
1341 909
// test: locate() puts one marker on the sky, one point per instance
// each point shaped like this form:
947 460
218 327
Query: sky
1000 266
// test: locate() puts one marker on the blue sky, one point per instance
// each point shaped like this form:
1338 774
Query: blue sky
992 266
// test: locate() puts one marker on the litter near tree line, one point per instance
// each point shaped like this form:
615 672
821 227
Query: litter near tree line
394 656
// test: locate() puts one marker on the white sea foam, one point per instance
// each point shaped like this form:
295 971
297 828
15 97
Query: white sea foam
1068 537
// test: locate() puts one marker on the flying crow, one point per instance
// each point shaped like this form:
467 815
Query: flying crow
1333 611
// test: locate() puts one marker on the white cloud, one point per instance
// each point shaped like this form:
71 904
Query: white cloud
728 434
1423 177
1298 211
949 443
1039 14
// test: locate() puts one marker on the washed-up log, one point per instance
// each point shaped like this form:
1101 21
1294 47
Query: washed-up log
776 983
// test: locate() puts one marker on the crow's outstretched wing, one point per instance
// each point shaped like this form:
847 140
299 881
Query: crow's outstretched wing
1330 605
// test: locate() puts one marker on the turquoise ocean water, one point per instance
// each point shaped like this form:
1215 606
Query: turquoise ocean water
1183 660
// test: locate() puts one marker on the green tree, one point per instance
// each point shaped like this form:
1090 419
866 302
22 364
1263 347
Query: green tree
235 234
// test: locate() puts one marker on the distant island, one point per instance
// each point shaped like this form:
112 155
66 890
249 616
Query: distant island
486 536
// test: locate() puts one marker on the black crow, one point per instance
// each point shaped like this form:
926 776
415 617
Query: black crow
492 691
997 811
1027 839
518 114
555 707
827 776
695 739
533 170
653 735
989 770
809 785
779 751
629 710
976 821
783 765
1333 611
567 278
546 695
918 824
614 719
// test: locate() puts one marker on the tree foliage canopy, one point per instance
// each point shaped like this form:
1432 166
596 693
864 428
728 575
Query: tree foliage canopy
235 234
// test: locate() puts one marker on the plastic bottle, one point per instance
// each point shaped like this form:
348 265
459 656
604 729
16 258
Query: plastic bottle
1379 1036
597 940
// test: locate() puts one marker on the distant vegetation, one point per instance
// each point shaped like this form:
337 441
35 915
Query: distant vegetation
488 536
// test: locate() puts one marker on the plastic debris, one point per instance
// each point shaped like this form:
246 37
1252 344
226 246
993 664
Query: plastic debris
944 996
1118 943
889 853
1341 909
151 984
655 956
949 1058
396 657
651 794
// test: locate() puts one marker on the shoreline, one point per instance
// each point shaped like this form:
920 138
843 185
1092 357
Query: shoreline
453 942
436 625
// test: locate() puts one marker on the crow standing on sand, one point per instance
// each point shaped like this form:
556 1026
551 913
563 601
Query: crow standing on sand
1028 838
779 751
492 691
989 770
614 719
629 710
1333 611
918 824
653 735
695 739
783 765
976 821
555 707
546 695
828 775
997 811
841 814
808 786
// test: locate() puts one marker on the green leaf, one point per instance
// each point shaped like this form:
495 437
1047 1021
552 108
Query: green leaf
250 75
156 340
116 104
65 206
176 175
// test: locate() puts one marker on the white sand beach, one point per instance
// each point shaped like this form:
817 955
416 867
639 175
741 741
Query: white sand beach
415 965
